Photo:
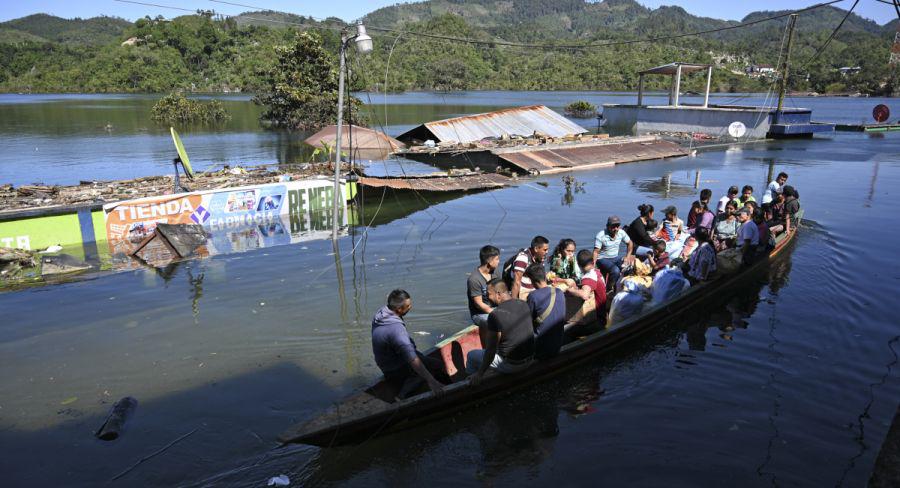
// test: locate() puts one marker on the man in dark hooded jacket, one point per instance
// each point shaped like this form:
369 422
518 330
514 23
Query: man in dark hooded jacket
405 368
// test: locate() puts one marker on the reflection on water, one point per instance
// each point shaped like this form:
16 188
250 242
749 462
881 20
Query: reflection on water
665 187
245 344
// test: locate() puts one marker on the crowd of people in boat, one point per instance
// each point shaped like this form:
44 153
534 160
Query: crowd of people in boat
520 306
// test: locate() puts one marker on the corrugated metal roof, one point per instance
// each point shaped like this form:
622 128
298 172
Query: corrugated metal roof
523 121
363 138
587 156
671 68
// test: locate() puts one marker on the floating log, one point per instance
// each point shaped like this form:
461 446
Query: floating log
115 423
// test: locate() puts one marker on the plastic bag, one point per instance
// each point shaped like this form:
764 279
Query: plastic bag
280 480
627 303
668 284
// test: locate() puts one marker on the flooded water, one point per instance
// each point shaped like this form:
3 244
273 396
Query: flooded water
790 380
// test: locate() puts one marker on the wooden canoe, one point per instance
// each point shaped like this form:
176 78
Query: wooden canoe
370 413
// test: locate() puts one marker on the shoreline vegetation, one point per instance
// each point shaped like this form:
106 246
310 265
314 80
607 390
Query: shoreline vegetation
209 54
175 108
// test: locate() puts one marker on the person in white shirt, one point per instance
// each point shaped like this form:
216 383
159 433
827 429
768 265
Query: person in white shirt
774 187
732 196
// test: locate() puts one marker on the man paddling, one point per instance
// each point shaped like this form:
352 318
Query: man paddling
404 368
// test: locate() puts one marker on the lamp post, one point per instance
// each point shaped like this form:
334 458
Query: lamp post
363 46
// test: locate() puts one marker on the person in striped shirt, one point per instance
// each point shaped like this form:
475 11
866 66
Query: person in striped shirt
521 284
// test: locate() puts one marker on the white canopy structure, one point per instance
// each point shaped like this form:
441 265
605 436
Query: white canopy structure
675 70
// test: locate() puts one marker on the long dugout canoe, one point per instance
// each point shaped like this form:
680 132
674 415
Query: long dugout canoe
372 413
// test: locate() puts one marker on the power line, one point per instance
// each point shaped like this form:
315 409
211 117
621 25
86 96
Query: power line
830 36
157 5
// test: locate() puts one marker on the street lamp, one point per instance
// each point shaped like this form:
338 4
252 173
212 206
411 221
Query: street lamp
363 46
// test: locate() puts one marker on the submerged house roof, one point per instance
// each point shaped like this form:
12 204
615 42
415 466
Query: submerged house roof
522 121
363 138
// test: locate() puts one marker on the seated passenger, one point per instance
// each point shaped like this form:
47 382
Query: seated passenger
703 218
637 230
606 250
548 313
703 260
764 237
774 187
404 368
592 286
748 236
753 206
563 264
509 341
628 303
659 258
705 196
747 194
673 227
775 214
791 207
489 268
731 197
726 228
520 285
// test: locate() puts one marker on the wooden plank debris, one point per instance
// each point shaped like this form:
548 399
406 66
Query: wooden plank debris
548 159
439 183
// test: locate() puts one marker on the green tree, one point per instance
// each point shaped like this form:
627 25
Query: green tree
301 90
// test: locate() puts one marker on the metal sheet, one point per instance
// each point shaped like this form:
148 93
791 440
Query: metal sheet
439 183
522 121
672 68
363 138
562 158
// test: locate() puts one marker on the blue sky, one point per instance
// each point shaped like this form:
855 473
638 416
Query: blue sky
349 10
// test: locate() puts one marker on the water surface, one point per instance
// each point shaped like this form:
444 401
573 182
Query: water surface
789 380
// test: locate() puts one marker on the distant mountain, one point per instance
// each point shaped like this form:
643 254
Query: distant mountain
93 31
513 19
271 18
208 53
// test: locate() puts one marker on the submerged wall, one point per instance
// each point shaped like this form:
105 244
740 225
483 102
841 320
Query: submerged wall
637 120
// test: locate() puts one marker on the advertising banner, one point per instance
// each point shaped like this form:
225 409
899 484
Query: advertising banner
271 213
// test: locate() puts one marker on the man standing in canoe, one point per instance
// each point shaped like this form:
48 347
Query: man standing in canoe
404 368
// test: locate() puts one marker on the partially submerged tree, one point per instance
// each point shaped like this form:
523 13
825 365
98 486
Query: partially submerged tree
175 108
301 90
581 109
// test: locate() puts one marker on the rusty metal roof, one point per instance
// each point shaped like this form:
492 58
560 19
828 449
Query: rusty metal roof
672 68
590 155
363 138
522 121
439 183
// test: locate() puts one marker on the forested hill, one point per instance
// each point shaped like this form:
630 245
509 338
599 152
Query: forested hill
47 28
42 53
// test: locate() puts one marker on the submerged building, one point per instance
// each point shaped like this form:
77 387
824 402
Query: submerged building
719 121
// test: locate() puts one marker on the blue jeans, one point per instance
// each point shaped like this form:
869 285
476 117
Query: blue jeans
480 319
612 267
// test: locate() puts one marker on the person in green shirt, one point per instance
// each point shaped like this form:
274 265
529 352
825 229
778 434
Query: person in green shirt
563 262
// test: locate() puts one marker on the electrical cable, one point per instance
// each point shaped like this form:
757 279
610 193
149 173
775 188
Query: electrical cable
830 37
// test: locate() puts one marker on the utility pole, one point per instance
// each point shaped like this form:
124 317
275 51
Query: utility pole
337 143
792 20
